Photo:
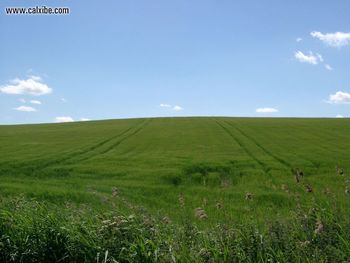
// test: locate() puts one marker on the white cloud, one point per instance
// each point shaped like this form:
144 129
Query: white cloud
35 102
299 39
22 100
339 116
84 119
31 86
337 39
266 110
320 58
328 67
177 108
339 97
63 100
64 119
311 58
36 78
25 109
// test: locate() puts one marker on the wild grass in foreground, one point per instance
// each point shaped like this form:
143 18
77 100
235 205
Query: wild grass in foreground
212 190
32 231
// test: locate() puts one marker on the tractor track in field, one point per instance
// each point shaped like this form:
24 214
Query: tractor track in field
70 158
278 159
246 150
110 148
116 144
102 143
267 152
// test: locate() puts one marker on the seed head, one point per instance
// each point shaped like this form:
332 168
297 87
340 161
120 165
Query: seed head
248 196
340 171
309 188
200 213
319 227
115 191
182 200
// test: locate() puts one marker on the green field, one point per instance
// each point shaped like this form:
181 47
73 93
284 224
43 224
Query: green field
168 167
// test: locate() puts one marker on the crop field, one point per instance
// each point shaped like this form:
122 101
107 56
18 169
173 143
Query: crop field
177 174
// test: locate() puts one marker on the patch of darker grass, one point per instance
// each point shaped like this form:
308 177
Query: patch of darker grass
212 174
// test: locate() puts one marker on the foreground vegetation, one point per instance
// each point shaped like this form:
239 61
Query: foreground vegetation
35 232
176 190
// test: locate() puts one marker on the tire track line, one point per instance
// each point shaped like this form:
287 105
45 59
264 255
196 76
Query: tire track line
113 146
95 147
282 161
70 157
127 137
267 152
246 150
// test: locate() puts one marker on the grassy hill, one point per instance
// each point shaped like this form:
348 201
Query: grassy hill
153 161
204 170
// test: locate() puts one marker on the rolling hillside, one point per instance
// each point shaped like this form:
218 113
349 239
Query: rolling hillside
152 163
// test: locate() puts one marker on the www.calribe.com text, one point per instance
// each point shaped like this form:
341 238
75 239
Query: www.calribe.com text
37 10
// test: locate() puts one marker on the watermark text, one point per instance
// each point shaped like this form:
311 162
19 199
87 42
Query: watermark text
37 10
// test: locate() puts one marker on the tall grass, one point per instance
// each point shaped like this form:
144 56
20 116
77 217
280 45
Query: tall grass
31 231
214 190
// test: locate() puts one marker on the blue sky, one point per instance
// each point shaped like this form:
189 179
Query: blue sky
122 59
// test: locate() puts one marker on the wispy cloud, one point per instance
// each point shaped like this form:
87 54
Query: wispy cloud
25 109
328 67
177 108
69 119
337 39
266 110
174 108
339 97
22 100
35 102
299 39
30 86
64 119
339 116
320 58
311 58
